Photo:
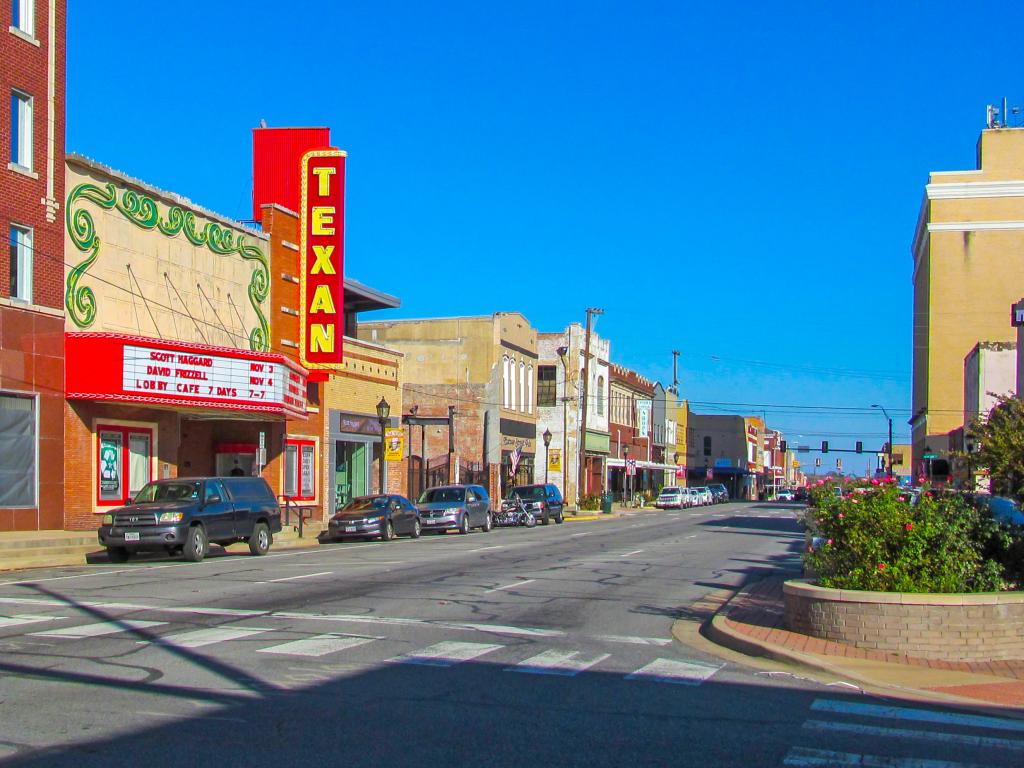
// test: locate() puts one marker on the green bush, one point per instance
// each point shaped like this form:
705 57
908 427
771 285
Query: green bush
591 503
877 541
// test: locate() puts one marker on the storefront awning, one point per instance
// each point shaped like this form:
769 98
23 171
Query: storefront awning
111 367
621 463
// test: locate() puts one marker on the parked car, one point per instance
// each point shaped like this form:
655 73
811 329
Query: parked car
1004 510
367 517
704 494
543 501
785 495
719 492
671 497
455 508
186 515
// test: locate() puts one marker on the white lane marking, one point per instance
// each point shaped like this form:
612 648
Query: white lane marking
499 629
293 578
25 618
982 742
99 628
917 715
577 535
801 756
63 578
694 536
635 640
134 607
446 654
484 549
671 671
320 645
555 662
634 552
510 586
200 637
184 717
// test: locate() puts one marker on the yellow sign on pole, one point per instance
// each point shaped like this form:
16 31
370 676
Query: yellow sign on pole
796 463
394 444
555 460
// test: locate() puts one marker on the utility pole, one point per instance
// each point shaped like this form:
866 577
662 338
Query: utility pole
585 373
675 371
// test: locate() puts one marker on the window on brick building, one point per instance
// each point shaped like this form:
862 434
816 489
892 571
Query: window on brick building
23 16
547 386
707 445
529 389
17 451
300 469
600 395
21 129
522 386
21 263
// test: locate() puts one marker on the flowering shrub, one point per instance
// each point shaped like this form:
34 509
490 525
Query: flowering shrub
875 540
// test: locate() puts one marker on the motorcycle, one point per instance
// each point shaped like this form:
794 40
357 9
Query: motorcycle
513 513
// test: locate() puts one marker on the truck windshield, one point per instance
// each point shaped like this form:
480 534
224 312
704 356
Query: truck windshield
157 492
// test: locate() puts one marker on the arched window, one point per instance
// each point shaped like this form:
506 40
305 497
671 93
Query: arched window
512 383
529 389
600 395
707 445
505 385
522 386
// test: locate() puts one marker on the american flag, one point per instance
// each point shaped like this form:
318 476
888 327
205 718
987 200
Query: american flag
514 458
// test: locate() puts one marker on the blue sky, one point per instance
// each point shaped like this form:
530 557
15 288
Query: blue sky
738 181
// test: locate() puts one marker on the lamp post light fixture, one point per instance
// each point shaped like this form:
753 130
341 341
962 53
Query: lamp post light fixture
887 416
625 469
383 411
547 442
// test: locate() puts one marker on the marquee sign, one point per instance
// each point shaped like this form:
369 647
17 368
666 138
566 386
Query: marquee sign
321 255
1017 316
115 367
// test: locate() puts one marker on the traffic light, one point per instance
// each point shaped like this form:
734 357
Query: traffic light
824 446
860 447
782 446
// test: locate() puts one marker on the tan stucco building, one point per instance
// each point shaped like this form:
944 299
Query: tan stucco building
967 275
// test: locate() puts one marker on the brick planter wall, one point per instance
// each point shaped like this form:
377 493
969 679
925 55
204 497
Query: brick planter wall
947 627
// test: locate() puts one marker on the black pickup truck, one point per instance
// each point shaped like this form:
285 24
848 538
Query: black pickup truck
185 515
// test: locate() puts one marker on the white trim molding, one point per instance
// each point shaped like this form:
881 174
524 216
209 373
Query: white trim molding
973 226
964 190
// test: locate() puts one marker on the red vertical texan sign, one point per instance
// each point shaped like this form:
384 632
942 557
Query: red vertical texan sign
321 253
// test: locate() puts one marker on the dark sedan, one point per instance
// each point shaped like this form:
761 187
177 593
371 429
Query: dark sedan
368 517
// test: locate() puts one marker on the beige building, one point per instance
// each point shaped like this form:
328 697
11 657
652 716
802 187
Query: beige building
484 367
967 275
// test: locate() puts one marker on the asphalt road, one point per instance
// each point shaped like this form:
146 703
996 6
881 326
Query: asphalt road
544 646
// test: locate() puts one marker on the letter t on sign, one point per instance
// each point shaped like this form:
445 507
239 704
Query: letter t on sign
321 254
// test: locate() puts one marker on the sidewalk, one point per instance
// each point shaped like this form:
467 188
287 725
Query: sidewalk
752 622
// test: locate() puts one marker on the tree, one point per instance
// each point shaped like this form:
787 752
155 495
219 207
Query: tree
999 438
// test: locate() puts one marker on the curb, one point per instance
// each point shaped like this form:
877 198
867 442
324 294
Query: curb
717 631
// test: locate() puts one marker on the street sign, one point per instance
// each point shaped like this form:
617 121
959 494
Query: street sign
796 464
930 456
803 448
817 462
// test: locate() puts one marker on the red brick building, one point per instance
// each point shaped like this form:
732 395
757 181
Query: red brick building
32 82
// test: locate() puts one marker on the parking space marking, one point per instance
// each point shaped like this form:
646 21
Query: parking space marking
484 549
293 578
510 586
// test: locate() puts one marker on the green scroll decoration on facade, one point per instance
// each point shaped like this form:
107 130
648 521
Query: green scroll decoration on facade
144 212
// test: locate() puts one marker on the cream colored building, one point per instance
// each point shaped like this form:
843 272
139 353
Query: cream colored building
967 275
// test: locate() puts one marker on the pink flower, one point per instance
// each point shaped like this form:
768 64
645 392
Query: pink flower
855 501
841 515
829 542
909 526
881 566
874 482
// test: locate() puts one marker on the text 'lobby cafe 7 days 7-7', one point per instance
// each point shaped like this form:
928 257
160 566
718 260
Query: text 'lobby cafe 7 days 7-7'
169 365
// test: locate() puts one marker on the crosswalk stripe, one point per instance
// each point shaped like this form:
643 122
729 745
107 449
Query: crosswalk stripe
918 715
983 742
25 618
98 629
635 640
555 662
446 654
320 645
671 671
200 637
802 757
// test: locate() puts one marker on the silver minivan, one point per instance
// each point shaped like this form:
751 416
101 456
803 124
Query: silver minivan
455 508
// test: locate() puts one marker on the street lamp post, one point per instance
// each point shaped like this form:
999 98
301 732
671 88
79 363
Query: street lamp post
887 416
970 477
383 411
626 475
547 442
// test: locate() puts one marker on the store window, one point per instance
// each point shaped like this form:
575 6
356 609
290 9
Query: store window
707 445
300 469
21 129
21 262
23 16
18 451
124 463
